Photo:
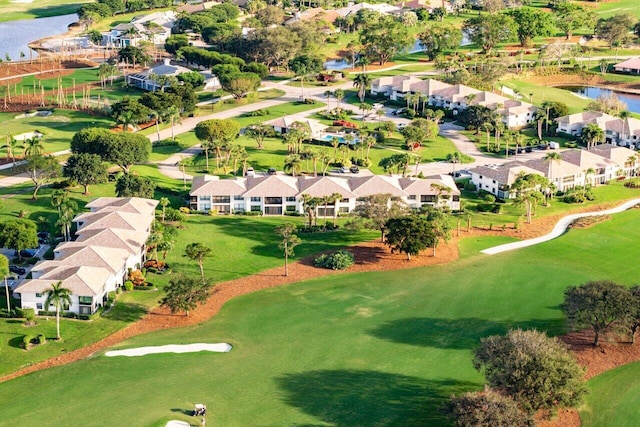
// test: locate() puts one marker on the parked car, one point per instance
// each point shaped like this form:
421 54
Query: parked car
28 253
43 237
250 172
343 169
529 149
271 171
399 111
17 270
541 146
354 169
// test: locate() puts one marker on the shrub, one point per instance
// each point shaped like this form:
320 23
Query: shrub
469 186
185 210
175 215
41 339
489 198
339 260
29 315
26 342
633 183
128 285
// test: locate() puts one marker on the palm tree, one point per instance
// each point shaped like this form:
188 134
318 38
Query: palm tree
365 108
551 158
454 158
380 114
339 94
362 82
33 147
592 134
60 298
173 113
58 197
68 210
487 127
335 143
369 141
198 252
11 146
293 164
328 94
309 205
164 202
326 159
589 174
334 199
624 115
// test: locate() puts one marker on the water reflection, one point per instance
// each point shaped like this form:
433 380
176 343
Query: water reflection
16 35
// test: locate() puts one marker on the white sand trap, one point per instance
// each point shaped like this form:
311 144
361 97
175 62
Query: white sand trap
20 1
176 423
221 347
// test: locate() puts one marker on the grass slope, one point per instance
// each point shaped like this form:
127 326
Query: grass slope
12 11
613 398
352 350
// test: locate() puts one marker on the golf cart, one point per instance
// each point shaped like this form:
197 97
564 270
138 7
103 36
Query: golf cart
199 409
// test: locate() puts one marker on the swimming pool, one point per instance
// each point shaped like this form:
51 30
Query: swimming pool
329 137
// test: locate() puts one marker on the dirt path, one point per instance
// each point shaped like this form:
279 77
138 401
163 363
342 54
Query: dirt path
370 256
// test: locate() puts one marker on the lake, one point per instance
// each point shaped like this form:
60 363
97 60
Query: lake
632 100
16 35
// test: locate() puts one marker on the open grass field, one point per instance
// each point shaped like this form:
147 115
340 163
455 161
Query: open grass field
600 409
12 11
58 128
356 349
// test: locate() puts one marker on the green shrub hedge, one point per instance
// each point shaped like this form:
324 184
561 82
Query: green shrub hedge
338 260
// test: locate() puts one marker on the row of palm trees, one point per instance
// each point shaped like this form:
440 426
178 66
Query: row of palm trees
30 147
311 204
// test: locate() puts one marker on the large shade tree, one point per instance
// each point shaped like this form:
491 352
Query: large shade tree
538 372
184 293
410 235
86 169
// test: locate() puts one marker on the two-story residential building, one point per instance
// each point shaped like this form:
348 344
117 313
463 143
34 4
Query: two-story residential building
111 241
278 194
574 168
623 132
154 28
455 98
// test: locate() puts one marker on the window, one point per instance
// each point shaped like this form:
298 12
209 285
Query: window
205 198
273 200
344 200
291 199
238 198
256 199
220 199
255 209
39 305
343 210
38 295
291 208
411 197
85 300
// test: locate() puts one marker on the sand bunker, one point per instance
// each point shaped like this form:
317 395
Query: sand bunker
176 423
222 347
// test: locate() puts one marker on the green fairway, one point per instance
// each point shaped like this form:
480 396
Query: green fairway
347 350
622 411
12 10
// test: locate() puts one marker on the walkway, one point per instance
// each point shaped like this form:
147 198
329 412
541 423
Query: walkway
559 229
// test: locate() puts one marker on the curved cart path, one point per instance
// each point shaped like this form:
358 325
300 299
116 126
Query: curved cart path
559 229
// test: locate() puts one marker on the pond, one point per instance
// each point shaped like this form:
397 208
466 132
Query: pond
632 100
16 35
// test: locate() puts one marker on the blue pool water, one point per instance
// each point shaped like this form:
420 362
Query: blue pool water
329 138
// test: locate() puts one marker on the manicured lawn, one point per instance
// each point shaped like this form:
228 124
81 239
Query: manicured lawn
547 93
12 11
58 128
355 349
613 398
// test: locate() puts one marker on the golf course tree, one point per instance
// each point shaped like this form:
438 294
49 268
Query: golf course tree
438 38
410 235
489 30
383 39
60 298
129 112
529 189
482 409
287 232
132 185
398 162
240 84
616 30
571 16
122 149
214 134
439 222
198 252
536 371
4 272
531 23
305 66
184 293
599 305
259 132
378 209
85 169
18 234
41 170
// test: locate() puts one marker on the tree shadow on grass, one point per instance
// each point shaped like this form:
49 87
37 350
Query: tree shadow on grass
353 398
16 342
126 312
460 334
182 411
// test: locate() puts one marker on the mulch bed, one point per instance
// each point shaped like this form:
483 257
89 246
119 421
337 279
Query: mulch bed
369 256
